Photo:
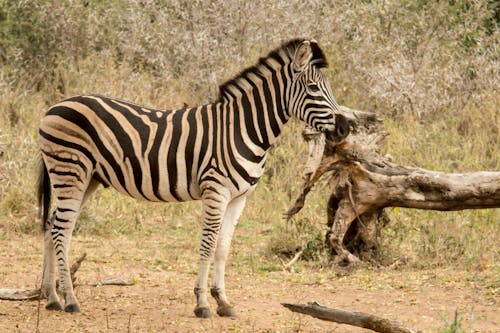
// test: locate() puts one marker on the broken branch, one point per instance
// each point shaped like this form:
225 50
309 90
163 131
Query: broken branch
358 319
289 266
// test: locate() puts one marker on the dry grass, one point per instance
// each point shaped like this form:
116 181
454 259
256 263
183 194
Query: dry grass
429 67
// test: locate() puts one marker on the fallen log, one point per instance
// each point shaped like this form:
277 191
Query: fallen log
358 319
363 183
35 294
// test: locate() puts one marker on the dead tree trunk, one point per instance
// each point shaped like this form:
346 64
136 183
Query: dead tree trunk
363 183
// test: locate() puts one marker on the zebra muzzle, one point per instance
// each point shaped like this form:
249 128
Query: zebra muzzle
341 130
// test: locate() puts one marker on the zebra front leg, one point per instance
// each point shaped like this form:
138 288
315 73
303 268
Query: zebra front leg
49 269
214 207
231 216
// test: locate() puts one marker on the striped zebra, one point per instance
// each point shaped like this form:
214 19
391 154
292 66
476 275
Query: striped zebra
214 153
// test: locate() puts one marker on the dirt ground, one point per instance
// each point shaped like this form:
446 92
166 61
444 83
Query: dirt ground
162 299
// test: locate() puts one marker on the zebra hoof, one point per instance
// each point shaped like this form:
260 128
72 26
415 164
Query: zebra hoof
202 312
72 308
226 311
56 306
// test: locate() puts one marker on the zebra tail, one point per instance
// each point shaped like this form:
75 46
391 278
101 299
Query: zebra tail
43 193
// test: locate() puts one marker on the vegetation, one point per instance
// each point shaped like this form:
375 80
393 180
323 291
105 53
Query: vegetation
430 68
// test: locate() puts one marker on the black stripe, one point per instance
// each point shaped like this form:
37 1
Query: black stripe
313 116
58 219
204 138
153 156
172 153
261 117
224 130
56 227
279 93
190 143
63 210
247 115
270 109
62 185
104 180
66 173
215 142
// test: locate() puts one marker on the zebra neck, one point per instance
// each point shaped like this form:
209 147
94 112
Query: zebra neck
257 111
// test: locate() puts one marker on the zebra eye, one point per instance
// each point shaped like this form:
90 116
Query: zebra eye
313 87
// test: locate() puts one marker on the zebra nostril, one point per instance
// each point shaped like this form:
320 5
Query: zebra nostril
341 126
342 132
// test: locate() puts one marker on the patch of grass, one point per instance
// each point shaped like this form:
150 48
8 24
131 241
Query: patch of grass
427 238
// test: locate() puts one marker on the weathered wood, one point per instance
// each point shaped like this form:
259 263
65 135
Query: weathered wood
363 183
19 294
110 282
358 319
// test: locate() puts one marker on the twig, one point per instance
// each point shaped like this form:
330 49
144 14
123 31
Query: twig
110 282
129 320
76 265
40 293
296 257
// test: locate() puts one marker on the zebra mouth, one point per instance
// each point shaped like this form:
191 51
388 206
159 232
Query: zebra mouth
332 136
341 130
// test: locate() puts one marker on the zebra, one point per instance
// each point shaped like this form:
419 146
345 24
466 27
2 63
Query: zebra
214 153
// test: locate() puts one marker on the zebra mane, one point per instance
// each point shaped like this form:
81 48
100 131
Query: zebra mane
318 59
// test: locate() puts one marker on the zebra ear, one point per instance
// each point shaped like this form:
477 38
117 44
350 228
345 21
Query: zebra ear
302 56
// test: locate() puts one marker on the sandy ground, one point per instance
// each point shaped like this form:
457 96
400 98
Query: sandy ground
162 299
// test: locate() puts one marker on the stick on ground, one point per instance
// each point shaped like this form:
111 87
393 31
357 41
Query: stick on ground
358 319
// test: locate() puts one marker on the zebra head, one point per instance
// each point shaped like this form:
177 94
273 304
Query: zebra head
311 99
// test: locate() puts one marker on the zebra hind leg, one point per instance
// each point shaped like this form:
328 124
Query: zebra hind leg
52 233
69 197
231 216
49 269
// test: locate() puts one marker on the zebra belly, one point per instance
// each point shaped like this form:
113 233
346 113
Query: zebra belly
147 185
